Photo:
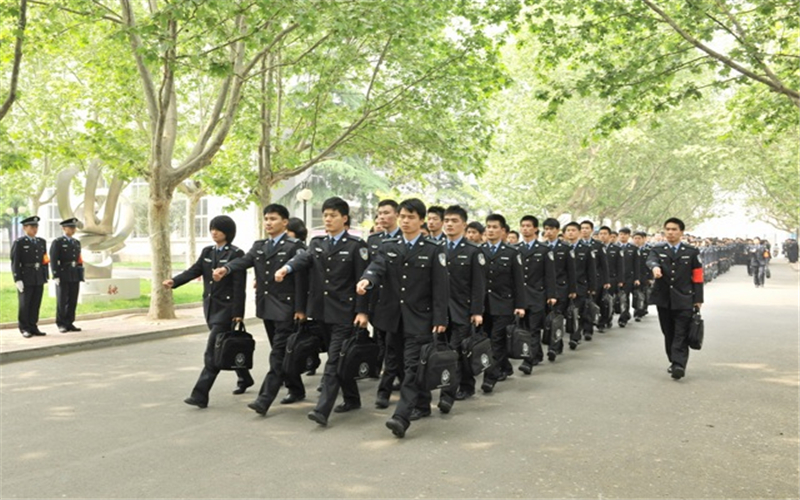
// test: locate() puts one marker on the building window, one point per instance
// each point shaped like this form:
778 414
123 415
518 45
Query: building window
201 218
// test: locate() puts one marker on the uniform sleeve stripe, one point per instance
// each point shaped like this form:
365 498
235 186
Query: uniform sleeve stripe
697 275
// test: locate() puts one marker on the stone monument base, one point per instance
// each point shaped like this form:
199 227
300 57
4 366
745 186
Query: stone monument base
103 290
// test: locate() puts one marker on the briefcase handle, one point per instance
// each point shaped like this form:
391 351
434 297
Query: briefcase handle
476 330
238 326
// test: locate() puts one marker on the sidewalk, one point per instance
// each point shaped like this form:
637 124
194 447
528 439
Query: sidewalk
125 328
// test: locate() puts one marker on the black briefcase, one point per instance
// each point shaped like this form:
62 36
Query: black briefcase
606 306
519 341
553 328
437 366
359 355
476 352
592 310
573 318
639 299
696 331
300 345
233 350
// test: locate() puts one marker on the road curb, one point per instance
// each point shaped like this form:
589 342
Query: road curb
102 315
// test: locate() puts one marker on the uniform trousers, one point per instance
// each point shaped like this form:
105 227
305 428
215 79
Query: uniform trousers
30 301
625 306
66 302
209 373
496 326
392 364
276 377
331 381
586 325
759 274
675 327
410 390
534 323
560 306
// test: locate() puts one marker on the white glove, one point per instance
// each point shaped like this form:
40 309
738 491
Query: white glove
20 286
57 281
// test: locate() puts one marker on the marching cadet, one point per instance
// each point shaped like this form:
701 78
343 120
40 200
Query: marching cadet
678 289
615 271
386 227
565 277
29 261
505 297
223 303
435 223
539 278
466 266
279 304
334 263
645 275
66 265
629 280
414 299
602 282
583 258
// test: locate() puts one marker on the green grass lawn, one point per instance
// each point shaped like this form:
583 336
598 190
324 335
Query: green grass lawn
189 293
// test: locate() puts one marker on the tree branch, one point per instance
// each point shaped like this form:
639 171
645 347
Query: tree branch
113 18
144 73
20 36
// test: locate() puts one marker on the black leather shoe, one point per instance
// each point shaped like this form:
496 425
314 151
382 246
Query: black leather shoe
195 402
587 337
26 334
319 387
39 333
63 329
573 345
487 387
502 377
600 329
417 414
74 328
318 418
292 398
622 324
525 368
462 395
311 372
551 356
397 427
382 402
258 407
637 319
242 388
445 406
346 406
678 372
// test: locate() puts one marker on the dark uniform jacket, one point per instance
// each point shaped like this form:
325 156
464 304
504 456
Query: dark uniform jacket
29 260
565 270
373 243
416 286
630 266
539 275
505 289
222 300
585 268
616 264
681 283
466 265
275 301
644 272
66 263
333 273
601 264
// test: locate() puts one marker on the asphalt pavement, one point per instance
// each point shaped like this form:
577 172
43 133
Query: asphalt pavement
605 421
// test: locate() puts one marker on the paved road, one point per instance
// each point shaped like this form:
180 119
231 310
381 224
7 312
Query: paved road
604 421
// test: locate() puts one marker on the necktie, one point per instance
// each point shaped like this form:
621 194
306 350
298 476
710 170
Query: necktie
452 246
410 245
494 249
331 242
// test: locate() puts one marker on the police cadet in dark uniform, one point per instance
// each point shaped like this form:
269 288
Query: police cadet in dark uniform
565 276
678 289
334 263
278 304
223 302
539 276
629 280
66 266
414 299
585 280
435 224
616 266
466 266
29 261
602 282
505 297
387 219
645 275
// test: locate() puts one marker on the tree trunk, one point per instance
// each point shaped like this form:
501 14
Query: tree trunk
161 302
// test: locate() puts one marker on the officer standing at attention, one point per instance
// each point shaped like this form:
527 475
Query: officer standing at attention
414 299
223 302
334 263
678 289
29 261
539 276
505 297
66 266
565 277
278 304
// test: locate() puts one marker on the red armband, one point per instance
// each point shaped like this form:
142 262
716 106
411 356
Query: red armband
697 275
